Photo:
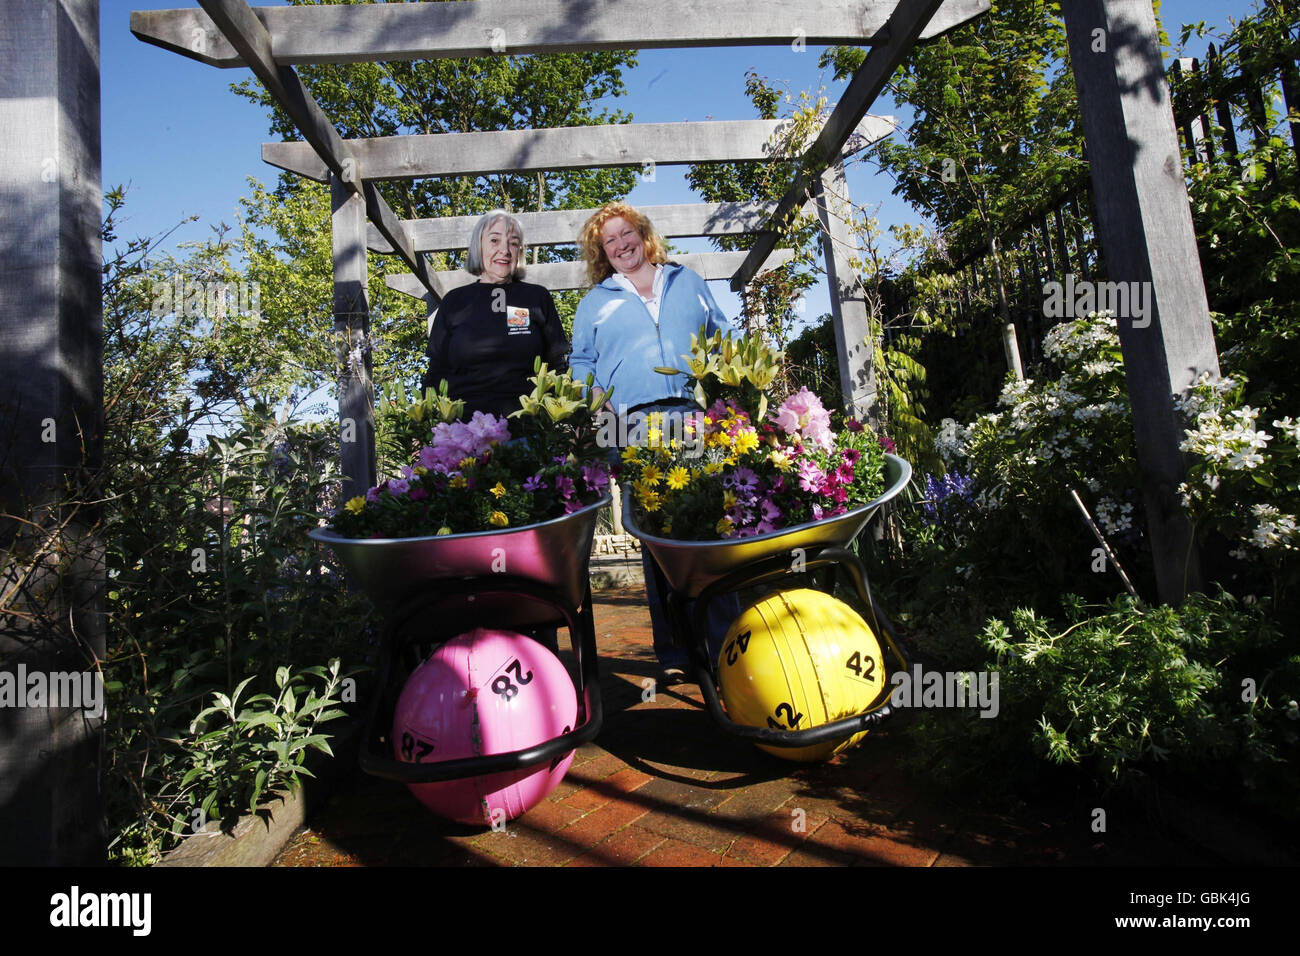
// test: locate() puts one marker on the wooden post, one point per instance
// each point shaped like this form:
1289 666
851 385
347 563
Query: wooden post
1145 229
1223 106
352 334
1080 241
51 423
854 342
1062 241
1291 92
1010 343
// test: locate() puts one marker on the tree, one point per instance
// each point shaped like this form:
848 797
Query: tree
994 134
418 97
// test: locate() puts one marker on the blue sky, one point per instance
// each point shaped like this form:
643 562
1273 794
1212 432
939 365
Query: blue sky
185 145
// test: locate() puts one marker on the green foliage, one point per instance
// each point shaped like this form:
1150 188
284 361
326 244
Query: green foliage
211 579
771 300
992 129
1114 690
241 753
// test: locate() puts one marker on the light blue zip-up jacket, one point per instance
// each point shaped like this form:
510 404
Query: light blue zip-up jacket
615 338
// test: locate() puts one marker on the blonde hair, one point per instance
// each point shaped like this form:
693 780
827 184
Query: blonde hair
599 267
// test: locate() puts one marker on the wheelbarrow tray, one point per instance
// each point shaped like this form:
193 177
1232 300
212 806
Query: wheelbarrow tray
690 566
554 553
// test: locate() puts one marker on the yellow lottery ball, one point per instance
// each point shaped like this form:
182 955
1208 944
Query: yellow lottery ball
800 659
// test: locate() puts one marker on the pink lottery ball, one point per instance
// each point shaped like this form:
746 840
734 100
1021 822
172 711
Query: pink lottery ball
482 693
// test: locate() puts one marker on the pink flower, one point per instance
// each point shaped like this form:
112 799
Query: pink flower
811 478
418 493
802 415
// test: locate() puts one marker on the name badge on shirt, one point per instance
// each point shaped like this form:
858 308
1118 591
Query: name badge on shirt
516 320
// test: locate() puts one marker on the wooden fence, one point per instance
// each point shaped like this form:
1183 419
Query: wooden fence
1222 116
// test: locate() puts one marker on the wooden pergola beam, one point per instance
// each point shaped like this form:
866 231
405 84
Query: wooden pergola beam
560 227
486 152
558 276
426 31
905 25
1144 224
246 33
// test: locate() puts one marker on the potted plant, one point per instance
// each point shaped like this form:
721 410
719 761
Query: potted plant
745 477
516 495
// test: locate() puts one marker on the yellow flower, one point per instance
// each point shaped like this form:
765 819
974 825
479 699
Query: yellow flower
678 478
467 463
444 530
651 476
724 526
724 439
651 501
498 490
629 453
746 440
457 482
420 470
780 460
728 499
654 437
356 504
499 519
713 468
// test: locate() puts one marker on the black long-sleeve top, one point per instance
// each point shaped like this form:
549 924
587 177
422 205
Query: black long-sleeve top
485 338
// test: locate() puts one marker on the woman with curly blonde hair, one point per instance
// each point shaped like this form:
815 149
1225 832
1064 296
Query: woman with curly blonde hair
640 314
590 240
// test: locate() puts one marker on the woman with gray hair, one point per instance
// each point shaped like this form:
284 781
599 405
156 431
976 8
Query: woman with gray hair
487 335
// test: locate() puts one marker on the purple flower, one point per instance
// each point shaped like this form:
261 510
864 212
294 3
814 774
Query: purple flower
742 480
948 498
564 485
398 486
534 483
596 476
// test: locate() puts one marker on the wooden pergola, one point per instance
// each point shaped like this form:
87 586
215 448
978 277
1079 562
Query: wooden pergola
50 316
272 40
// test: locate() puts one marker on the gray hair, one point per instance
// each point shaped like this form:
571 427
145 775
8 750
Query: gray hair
474 260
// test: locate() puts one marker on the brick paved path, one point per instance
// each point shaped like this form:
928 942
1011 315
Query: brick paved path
662 786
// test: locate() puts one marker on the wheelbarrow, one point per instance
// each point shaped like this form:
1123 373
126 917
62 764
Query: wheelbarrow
431 589
703 571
